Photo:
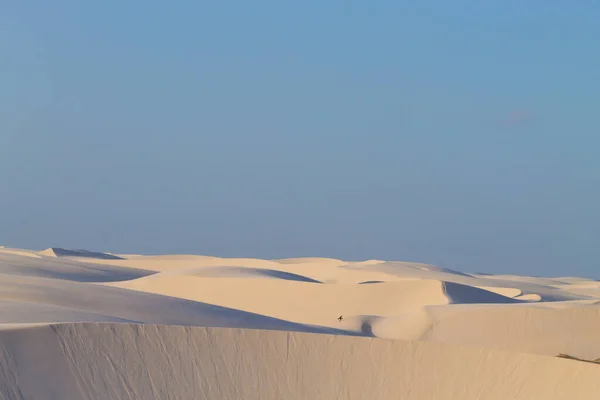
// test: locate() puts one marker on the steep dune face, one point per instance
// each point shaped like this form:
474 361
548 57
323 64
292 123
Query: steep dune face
88 325
124 361
464 294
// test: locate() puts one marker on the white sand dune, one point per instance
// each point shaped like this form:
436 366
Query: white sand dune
318 304
522 328
504 291
76 324
19 252
545 288
529 297
312 260
15 263
58 252
465 294
124 361
246 272
74 297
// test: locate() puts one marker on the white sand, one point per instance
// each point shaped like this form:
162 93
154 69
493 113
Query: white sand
76 324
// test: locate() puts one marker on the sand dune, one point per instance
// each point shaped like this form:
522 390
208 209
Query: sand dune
522 328
318 304
544 287
529 297
58 252
18 252
75 300
124 361
246 272
504 291
465 294
312 260
90 325
14 263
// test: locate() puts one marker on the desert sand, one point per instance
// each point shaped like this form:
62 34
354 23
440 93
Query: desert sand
78 324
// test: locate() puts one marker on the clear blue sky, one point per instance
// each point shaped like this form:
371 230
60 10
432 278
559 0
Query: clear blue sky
464 134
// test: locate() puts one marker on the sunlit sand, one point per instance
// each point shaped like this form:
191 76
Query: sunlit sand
80 324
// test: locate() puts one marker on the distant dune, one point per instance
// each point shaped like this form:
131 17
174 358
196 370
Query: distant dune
77 324
58 252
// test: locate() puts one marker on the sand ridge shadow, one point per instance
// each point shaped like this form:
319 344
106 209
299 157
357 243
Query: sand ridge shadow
60 252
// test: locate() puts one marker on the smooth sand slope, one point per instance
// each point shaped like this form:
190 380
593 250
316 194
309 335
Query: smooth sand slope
123 361
77 324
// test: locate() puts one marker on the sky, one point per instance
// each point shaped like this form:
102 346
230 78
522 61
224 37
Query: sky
464 134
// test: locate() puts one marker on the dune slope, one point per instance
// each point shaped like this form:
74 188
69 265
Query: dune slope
77 324
125 361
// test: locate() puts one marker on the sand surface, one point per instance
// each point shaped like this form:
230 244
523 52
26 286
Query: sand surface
77 324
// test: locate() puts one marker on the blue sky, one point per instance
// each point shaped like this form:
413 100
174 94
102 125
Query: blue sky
457 133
